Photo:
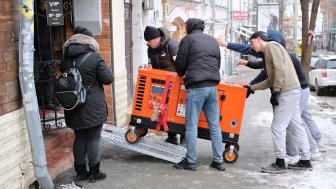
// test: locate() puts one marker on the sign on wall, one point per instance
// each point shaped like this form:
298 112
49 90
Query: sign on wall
268 17
55 12
240 15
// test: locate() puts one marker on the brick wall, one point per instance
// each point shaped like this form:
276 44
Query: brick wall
16 169
105 51
10 98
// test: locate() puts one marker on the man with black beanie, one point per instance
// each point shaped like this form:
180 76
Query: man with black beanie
161 53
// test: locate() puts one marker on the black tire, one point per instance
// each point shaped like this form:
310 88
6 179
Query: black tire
230 159
142 131
134 139
236 146
318 89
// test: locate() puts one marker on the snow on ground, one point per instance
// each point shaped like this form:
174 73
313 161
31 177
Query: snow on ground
324 174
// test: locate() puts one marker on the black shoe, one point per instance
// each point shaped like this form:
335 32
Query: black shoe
301 165
184 164
273 169
95 174
82 173
218 166
172 140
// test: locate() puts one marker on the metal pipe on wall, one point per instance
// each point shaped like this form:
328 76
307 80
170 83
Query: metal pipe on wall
27 84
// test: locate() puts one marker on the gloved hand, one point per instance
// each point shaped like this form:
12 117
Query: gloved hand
274 97
249 90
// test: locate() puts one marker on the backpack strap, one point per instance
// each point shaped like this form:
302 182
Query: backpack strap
81 62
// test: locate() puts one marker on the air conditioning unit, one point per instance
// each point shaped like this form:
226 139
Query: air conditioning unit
88 14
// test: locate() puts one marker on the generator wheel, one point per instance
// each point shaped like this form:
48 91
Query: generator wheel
142 131
230 159
132 139
235 145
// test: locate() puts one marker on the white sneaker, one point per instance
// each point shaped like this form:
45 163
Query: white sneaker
314 156
321 147
292 159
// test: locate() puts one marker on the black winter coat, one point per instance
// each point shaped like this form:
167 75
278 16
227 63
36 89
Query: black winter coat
94 73
162 57
198 57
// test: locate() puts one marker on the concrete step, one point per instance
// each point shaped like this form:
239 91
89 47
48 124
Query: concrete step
58 146
60 159
55 138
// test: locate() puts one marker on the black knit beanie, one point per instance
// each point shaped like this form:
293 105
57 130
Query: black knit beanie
151 33
82 30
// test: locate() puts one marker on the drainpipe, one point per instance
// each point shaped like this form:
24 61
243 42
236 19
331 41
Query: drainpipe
112 64
27 84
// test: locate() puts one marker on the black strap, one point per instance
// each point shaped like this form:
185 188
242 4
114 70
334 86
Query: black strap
81 62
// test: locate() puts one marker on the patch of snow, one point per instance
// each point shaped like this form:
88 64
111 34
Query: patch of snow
324 174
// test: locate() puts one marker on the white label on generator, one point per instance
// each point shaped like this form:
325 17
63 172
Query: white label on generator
180 110
231 135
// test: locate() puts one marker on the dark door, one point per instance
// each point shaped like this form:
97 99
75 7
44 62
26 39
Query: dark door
128 49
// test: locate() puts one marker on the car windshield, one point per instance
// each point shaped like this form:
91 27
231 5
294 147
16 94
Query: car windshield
331 64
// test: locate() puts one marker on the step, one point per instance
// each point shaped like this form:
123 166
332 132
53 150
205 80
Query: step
60 159
55 138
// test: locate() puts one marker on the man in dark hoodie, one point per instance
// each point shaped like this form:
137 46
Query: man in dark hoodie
198 60
87 120
162 51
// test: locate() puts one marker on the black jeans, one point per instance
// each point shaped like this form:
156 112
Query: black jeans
87 142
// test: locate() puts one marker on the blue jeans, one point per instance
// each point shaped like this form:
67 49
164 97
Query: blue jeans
203 99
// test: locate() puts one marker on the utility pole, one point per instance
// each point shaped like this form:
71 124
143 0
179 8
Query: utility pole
213 17
295 27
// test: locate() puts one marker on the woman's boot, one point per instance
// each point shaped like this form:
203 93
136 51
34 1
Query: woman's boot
95 174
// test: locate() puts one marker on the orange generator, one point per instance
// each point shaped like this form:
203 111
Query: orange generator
159 103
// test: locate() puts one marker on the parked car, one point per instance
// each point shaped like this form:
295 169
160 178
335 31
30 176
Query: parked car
323 75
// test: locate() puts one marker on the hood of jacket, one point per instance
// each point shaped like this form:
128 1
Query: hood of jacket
274 35
194 24
79 44
165 36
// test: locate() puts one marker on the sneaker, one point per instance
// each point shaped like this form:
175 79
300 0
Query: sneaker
218 166
273 169
291 159
301 165
321 147
184 164
314 156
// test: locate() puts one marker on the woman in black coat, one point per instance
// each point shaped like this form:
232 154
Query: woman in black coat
87 119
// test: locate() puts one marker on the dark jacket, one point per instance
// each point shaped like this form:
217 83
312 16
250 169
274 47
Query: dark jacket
198 57
94 73
273 35
162 57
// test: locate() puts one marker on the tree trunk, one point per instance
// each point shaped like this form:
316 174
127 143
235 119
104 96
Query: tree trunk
307 47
